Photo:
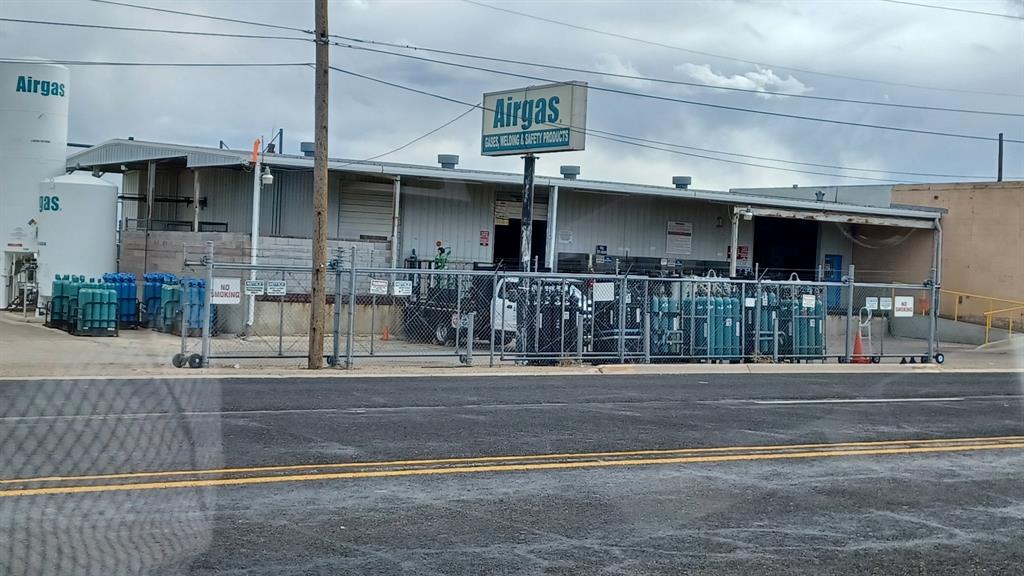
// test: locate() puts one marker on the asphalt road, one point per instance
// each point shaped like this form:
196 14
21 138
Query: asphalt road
785 474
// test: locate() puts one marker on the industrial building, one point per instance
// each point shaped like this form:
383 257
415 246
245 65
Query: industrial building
175 194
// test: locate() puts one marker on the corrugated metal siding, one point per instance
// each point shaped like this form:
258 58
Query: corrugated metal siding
229 198
637 226
365 210
295 193
454 214
126 152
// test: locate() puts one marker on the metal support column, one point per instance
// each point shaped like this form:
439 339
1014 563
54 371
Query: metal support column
735 249
525 244
491 320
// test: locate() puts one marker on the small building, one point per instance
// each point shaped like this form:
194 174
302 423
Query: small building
391 213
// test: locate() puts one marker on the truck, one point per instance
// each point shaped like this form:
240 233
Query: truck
438 310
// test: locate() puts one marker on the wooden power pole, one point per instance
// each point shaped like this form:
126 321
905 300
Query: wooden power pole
318 292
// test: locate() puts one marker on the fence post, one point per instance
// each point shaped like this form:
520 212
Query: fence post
469 337
494 316
458 310
647 321
336 344
743 322
579 337
351 309
849 315
184 317
622 320
280 320
208 309
933 315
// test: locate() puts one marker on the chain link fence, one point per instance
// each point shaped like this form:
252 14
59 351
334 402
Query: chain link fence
453 317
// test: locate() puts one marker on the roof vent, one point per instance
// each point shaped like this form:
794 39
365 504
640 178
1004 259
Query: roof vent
681 182
308 148
569 172
448 160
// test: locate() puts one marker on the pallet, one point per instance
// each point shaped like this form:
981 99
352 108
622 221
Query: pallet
95 332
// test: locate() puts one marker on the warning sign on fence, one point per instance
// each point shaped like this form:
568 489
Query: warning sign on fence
403 288
226 291
255 287
904 306
378 286
277 287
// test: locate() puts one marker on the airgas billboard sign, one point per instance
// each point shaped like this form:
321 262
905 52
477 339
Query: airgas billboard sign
548 118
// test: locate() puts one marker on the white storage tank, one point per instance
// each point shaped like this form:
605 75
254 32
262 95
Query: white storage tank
33 146
77 218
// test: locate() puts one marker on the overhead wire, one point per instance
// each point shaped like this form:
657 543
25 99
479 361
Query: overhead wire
637 138
733 58
685 101
598 135
416 139
602 134
609 74
154 30
206 16
526 76
955 9
760 92
158 64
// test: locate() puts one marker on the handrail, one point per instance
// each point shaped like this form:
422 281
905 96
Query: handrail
991 300
1009 317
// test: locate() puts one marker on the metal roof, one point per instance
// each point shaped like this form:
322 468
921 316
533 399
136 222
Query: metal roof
120 151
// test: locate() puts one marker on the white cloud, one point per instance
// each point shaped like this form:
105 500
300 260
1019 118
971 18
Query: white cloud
612 64
762 79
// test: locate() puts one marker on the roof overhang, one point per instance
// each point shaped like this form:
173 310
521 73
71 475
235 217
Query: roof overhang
118 152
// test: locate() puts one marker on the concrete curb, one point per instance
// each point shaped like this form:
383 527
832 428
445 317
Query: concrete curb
600 370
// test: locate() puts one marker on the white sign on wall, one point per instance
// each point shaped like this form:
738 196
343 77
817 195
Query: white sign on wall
679 237
546 118
904 306
226 291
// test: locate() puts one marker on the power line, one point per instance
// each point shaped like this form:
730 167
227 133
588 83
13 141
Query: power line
157 64
952 9
733 58
154 30
207 16
684 101
646 140
416 139
670 81
555 67
615 137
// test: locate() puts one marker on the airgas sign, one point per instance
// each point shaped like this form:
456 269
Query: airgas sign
548 118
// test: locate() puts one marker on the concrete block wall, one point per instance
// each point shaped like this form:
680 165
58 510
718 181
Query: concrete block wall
166 249
298 252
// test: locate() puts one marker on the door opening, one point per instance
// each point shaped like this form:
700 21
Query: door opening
507 238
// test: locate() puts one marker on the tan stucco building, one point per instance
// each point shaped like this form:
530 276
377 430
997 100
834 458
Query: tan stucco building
982 246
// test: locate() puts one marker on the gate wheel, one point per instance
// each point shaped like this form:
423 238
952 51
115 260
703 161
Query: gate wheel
195 361
179 360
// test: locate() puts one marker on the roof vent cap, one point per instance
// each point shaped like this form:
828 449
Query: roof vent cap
448 160
569 172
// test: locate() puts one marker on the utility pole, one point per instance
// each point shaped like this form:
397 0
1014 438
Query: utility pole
999 172
318 295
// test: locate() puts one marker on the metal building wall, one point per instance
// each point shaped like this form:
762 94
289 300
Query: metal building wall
637 225
454 213
355 208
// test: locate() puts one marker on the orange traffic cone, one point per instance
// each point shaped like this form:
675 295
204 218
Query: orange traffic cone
386 334
858 351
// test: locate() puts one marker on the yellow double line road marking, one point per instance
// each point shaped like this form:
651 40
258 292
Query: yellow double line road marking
428 467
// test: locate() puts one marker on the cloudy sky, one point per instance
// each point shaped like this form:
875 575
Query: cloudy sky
976 60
